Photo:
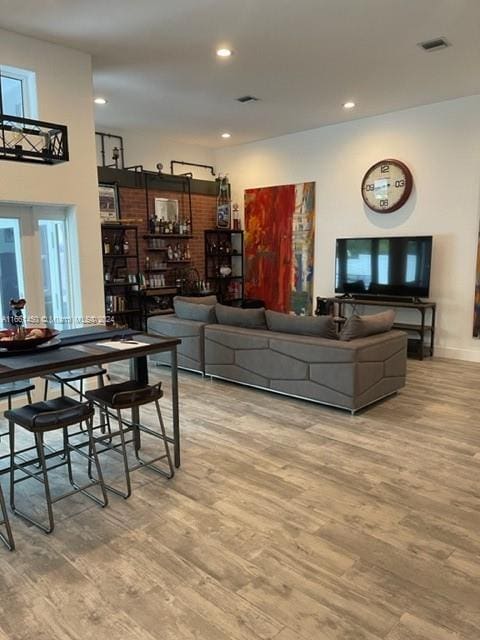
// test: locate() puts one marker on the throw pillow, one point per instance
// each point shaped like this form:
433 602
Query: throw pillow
194 311
363 326
210 300
237 317
319 326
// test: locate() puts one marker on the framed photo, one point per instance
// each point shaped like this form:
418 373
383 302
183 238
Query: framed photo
108 202
223 216
167 208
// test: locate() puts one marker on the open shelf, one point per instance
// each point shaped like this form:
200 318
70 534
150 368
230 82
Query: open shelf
176 236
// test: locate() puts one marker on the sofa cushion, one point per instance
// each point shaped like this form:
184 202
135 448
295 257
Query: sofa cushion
209 300
321 326
194 311
237 317
362 326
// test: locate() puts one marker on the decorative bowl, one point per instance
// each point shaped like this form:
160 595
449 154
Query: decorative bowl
33 337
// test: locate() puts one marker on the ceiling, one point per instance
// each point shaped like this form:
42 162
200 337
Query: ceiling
155 62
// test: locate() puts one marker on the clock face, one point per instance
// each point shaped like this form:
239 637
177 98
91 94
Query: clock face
387 186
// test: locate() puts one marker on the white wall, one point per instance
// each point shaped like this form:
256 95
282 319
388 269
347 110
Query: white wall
441 145
148 147
64 83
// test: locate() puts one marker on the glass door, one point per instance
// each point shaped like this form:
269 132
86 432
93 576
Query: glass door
35 264
11 270
55 271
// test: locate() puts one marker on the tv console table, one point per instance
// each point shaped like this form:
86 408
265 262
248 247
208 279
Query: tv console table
421 329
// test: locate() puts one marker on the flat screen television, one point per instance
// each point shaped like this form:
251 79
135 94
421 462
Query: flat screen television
388 267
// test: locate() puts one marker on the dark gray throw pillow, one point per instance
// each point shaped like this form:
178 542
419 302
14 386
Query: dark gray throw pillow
210 300
194 311
362 326
237 317
319 326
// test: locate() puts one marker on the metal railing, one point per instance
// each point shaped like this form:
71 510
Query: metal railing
25 140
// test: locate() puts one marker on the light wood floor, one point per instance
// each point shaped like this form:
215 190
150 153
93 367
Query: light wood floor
287 521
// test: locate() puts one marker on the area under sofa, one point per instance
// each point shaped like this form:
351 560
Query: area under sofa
346 374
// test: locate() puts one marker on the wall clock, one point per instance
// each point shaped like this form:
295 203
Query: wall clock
387 186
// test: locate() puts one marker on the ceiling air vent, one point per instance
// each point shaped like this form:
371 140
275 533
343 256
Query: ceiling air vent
245 99
434 45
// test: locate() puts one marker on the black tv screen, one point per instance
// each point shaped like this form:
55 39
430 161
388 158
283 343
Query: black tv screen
392 266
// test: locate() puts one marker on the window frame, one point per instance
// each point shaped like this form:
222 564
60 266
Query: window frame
28 79
30 246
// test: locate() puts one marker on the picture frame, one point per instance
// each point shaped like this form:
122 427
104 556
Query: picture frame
167 208
224 215
108 203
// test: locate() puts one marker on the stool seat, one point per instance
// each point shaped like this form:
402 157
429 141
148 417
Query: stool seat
125 395
51 414
15 388
73 375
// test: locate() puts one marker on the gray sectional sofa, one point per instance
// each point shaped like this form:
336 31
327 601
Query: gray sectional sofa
349 374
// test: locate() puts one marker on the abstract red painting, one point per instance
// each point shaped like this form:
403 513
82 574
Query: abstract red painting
279 245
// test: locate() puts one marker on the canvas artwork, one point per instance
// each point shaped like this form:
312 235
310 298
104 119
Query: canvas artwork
279 246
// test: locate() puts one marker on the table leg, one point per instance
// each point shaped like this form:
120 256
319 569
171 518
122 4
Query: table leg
175 413
139 373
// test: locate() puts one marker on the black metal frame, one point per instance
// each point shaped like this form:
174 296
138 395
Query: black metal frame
192 164
136 428
6 538
26 140
212 261
40 470
102 137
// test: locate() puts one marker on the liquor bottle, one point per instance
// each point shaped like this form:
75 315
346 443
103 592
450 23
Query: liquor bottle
147 263
152 225
106 245
169 252
187 253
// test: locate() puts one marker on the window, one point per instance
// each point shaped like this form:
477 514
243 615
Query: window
55 269
11 271
35 263
18 92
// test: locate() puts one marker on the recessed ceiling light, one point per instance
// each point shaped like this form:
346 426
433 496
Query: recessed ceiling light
100 101
348 105
226 135
223 52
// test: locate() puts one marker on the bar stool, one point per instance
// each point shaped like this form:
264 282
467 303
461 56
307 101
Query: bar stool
129 395
42 417
6 538
67 378
10 390
74 375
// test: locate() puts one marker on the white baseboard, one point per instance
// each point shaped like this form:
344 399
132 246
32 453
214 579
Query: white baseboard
456 353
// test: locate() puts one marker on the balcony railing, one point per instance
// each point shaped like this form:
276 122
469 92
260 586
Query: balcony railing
25 140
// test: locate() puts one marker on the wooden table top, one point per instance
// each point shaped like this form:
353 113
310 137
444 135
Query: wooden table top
87 351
